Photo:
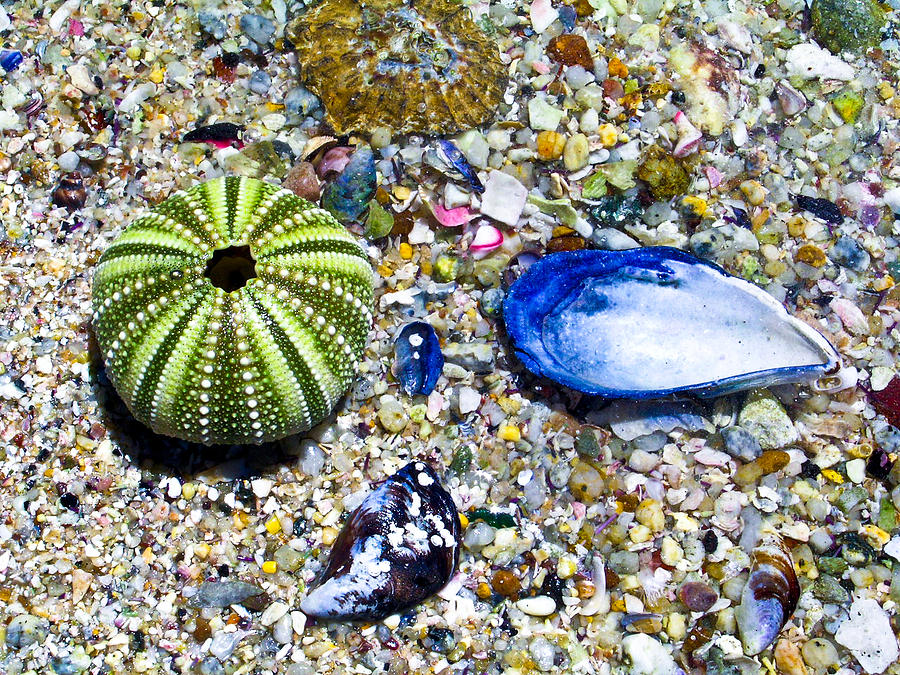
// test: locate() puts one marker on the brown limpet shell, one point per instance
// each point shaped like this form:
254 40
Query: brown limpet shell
414 67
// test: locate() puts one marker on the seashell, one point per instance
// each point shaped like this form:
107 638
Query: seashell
10 59
70 193
397 548
219 135
233 312
769 598
688 136
422 67
348 196
647 322
334 160
450 217
316 143
303 182
792 101
452 156
487 238
418 360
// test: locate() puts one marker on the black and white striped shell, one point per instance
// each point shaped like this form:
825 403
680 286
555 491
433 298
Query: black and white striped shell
397 548
233 312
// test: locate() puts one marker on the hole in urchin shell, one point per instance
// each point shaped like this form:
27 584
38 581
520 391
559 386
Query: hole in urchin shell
231 268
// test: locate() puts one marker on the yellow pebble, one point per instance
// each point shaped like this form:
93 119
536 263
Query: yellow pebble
274 107
510 433
754 192
566 568
696 204
188 490
608 134
329 534
156 75
401 192
270 567
883 283
463 520
133 52
811 255
201 550
833 476
273 525
876 537
550 145
617 605
406 251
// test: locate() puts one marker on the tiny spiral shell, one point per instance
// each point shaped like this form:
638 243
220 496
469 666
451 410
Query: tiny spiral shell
265 359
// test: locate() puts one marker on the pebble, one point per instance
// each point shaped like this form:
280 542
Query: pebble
788 658
224 593
820 654
392 415
478 535
550 145
223 643
211 22
312 458
697 596
765 419
847 252
80 77
469 400
257 28
260 82
25 630
211 666
540 605
741 444
504 198
810 61
648 656
892 199
575 155
643 461
506 583
301 101
868 634
273 613
543 653
543 116
475 356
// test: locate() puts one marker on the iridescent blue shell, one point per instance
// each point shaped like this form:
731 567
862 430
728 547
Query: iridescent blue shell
418 360
647 322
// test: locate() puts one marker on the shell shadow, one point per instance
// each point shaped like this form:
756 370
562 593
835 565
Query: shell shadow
155 453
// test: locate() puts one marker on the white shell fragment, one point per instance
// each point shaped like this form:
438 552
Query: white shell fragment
869 636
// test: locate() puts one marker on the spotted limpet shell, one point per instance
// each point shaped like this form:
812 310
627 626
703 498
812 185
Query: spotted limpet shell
422 66
233 312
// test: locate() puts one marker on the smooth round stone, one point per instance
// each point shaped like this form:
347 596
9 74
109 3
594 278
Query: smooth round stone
642 461
68 161
575 154
392 415
257 28
283 630
301 101
312 458
819 654
697 596
540 605
24 630
260 82
478 535
741 444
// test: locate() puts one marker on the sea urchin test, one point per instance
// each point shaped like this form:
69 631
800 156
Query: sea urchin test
233 312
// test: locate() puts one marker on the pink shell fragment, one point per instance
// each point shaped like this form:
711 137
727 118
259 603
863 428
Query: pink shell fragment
688 136
487 238
334 161
714 176
76 28
452 217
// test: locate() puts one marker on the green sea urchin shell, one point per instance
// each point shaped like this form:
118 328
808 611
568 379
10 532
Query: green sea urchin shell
233 312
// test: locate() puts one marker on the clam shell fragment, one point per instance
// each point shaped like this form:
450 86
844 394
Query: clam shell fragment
398 547
643 323
769 598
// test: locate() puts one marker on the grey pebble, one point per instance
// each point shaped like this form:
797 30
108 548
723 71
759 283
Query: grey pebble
260 82
741 444
847 252
211 22
257 28
68 161
475 356
24 630
301 101
223 593
211 666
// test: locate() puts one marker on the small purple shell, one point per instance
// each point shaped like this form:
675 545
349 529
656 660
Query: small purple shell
418 360
397 548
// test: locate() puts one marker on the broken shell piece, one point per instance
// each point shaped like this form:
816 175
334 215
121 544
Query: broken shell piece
398 547
648 322
792 101
688 136
487 238
769 598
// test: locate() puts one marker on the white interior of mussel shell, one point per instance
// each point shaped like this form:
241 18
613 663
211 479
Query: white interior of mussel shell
632 333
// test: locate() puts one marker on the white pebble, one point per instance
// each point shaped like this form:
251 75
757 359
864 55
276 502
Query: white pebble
504 198
469 400
272 613
261 487
892 199
540 605
856 470
810 61
68 161
867 633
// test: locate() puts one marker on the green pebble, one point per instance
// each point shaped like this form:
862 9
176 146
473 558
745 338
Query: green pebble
663 174
417 413
833 566
847 25
766 419
462 460
379 222
498 520
446 268
828 589
848 104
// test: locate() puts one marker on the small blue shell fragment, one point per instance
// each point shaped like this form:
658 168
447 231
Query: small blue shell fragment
453 156
10 59
348 196
398 547
418 360
648 322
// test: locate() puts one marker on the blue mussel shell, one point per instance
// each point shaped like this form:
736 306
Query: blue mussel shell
418 360
648 322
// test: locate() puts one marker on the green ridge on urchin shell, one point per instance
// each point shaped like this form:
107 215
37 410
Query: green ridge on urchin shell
258 363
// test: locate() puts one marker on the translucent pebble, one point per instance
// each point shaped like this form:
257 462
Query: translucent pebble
697 596
211 666
68 161
542 652
478 535
820 654
260 82
301 101
257 28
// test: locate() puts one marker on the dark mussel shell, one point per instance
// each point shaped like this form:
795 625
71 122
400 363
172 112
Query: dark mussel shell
769 598
220 134
398 547
648 322
418 360
70 193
